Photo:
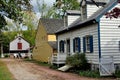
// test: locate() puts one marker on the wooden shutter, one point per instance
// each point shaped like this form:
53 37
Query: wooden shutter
19 45
91 44
73 45
79 47
84 45
63 46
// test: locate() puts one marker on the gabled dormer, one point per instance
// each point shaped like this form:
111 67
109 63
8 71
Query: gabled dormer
93 7
72 15
88 7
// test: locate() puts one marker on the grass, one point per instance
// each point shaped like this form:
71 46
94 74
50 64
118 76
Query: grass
4 72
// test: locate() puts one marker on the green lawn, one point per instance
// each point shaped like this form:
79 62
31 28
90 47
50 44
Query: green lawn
4 72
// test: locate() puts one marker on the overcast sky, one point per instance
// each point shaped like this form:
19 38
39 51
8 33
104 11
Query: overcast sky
35 6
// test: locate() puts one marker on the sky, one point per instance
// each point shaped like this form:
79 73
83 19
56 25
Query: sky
35 7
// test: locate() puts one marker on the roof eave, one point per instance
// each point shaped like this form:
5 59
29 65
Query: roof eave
106 9
86 23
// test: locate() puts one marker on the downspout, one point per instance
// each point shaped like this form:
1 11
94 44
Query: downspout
99 40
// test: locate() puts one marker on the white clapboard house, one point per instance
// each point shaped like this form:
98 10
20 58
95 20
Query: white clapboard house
96 36
19 46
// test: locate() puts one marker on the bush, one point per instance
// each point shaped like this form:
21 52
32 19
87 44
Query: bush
6 55
93 74
117 73
53 66
78 61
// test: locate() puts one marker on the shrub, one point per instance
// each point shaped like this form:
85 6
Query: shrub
93 74
117 73
53 66
78 61
6 55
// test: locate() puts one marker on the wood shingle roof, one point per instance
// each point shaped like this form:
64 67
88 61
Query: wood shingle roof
52 25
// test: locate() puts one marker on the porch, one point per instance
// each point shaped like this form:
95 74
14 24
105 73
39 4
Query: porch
58 58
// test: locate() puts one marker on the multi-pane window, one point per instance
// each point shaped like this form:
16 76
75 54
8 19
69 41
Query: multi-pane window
88 44
76 44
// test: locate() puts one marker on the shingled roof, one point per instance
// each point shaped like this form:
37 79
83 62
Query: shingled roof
92 19
52 25
53 44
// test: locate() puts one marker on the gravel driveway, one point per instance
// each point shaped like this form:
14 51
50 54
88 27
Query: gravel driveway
23 70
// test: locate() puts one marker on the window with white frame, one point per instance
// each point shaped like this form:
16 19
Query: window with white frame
87 41
88 44
61 46
76 45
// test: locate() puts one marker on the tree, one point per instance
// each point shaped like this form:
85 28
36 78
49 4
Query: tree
27 28
67 5
42 7
114 13
12 9
30 21
59 8
63 5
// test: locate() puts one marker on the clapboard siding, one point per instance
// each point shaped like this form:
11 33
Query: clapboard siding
72 18
91 9
93 58
90 30
110 37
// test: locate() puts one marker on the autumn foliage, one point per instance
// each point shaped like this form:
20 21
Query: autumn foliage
114 13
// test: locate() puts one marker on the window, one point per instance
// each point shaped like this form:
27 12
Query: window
88 44
61 46
87 41
19 38
76 44
19 45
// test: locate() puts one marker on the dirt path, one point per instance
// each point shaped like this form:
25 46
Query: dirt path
29 71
